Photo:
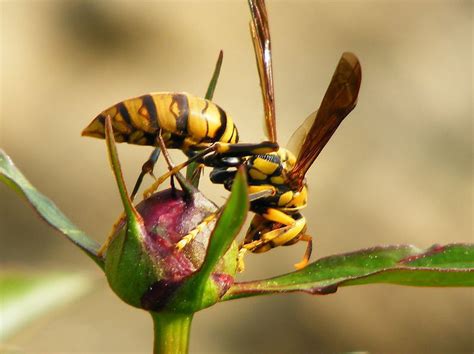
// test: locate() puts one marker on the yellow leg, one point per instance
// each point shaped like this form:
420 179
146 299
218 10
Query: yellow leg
278 237
175 169
268 241
278 216
194 232
149 191
304 262
240 260
185 185
216 149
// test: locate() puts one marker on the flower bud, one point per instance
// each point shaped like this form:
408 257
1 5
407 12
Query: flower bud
142 263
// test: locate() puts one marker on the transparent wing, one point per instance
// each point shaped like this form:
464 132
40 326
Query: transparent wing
260 33
299 136
339 100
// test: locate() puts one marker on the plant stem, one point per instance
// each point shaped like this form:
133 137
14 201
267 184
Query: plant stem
171 332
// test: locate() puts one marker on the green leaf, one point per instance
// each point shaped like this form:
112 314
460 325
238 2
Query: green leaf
228 226
27 296
450 265
130 211
215 76
198 291
192 173
12 177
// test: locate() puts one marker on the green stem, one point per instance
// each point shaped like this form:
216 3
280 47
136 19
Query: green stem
171 332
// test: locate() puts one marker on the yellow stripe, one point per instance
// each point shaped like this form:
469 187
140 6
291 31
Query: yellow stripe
265 166
166 119
197 126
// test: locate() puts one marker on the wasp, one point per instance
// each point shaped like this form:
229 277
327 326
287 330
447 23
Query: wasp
276 175
183 121
278 220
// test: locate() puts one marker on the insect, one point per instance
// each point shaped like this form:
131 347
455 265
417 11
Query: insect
278 221
277 177
184 121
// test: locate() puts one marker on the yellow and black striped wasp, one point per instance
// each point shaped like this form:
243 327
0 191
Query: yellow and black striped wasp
278 221
179 121
276 179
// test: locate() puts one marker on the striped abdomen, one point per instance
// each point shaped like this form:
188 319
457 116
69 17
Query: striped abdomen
185 121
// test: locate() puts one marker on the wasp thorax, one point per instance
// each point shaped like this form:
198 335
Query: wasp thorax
287 159
147 264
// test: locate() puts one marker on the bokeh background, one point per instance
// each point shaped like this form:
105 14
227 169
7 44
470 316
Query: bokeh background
398 170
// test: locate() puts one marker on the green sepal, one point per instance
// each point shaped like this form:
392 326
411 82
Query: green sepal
47 210
202 290
128 267
441 266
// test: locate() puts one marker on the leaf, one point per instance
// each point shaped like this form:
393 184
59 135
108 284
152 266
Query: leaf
215 76
198 290
192 171
228 225
47 210
27 296
450 265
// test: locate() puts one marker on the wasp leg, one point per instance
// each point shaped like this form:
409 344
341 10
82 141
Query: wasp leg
278 216
307 254
259 194
240 260
147 168
194 232
277 237
221 175
186 186
175 169
215 151
241 149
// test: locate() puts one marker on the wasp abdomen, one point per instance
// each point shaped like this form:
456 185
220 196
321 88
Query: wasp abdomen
137 121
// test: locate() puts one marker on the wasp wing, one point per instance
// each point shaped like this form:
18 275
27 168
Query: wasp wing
260 33
339 100
299 135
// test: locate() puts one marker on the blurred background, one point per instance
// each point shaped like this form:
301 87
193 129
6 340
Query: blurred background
398 170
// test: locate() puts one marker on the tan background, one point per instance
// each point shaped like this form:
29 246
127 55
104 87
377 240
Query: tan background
399 169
